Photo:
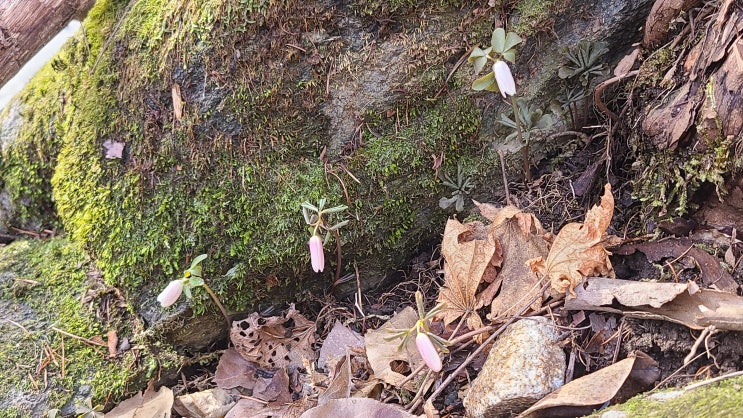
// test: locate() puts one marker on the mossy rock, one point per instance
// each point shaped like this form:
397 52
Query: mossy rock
717 400
55 315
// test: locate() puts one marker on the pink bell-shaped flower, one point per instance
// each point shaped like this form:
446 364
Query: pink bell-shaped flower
171 293
317 256
504 78
428 352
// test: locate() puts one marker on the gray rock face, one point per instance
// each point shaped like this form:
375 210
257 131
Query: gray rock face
9 128
524 365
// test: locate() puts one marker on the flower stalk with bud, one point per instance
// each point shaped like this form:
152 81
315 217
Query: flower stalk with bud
502 50
191 279
316 218
428 343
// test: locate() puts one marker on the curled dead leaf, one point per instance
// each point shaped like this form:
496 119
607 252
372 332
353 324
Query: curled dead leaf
583 395
578 250
521 238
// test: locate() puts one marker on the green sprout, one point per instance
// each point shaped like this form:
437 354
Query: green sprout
531 118
502 48
461 186
585 64
85 409
315 216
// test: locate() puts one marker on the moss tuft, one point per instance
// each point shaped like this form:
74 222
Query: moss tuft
42 289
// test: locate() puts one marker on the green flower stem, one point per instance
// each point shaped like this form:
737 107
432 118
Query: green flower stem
338 251
525 149
219 305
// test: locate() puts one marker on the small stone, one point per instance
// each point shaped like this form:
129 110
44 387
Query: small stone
524 365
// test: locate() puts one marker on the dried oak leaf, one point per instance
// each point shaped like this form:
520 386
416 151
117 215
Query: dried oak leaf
472 256
521 237
577 251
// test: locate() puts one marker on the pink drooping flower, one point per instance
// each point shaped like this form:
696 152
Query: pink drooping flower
317 256
504 78
171 293
428 352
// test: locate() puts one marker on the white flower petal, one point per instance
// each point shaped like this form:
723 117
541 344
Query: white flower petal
504 78
317 255
171 293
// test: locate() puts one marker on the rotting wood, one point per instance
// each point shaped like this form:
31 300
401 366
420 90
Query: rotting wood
713 78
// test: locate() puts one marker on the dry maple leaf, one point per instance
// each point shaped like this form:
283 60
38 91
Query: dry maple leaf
472 255
577 251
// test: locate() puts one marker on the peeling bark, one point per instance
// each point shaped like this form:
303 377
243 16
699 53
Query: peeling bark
27 25
711 95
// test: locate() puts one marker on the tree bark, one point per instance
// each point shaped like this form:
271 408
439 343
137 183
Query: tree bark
27 25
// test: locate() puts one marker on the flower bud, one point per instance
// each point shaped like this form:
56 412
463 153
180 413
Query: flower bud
317 256
428 352
504 78
171 293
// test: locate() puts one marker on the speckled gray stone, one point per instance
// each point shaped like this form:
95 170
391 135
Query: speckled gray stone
523 366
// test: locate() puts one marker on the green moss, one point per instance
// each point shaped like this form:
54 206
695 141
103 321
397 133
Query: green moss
531 16
228 178
384 7
42 287
654 69
712 401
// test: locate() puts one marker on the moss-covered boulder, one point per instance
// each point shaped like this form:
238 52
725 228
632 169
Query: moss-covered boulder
278 103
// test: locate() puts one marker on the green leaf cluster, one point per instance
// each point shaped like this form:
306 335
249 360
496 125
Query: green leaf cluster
585 62
502 47
462 186
532 119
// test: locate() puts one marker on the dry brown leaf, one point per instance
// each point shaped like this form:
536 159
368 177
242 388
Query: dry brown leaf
625 64
682 303
114 149
276 341
150 404
340 386
471 257
338 344
713 274
522 238
382 353
583 395
356 407
577 251
113 341
210 403
177 102
253 408
233 371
